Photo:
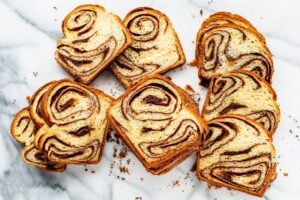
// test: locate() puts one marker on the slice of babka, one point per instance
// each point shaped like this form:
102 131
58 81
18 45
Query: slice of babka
226 42
159 122
155 50
242 92
93 38
237 153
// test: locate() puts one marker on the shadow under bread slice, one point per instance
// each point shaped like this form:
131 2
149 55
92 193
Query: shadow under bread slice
158 123
237 153
242 92
156 48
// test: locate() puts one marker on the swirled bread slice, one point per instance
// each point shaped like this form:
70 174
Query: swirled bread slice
242 92
155 50
237 153
93 38
76 123
226 42
158 121
23 129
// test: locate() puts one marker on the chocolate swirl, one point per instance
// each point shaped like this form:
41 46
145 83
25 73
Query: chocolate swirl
231 43
33 156
237 153
23 129
154 121
155 49
88 47
76 123
242 92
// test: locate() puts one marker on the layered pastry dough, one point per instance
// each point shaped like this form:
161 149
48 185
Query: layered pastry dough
155 50
237 153
76 123
226 42
23 129
158 121
93 38
242 92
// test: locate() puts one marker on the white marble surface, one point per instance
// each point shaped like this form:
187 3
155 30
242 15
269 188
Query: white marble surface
29 30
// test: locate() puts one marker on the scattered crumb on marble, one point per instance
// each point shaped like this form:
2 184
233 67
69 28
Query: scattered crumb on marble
141 179
285 174
138 198
35 74
189 89
28 99
201 12
54 7
175 183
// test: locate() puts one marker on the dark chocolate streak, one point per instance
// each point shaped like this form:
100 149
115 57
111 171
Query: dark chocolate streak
225 176
262 115
77 151
82 57
172 140
41 159
81 131
151 99
232 106
144 37
55 99
27 121
84 28
126 109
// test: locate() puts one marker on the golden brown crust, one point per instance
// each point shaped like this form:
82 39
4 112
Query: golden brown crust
169 159
135 63
236 162
231 103
81 57
222 22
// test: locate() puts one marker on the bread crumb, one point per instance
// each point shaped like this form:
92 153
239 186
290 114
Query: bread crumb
189 90
285 174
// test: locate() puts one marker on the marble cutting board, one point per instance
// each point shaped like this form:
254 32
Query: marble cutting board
29 30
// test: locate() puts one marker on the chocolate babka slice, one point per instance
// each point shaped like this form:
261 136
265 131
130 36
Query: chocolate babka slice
158 121
237 153
242 92
93 38
23 129
155 50
75 123
226 42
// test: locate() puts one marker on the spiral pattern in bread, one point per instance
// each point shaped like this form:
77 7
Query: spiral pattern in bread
23 129
157 122
155 50
237 153
242 92
226 42
76 123
93 38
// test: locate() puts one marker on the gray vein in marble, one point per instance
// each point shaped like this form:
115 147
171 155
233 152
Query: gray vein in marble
49 34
